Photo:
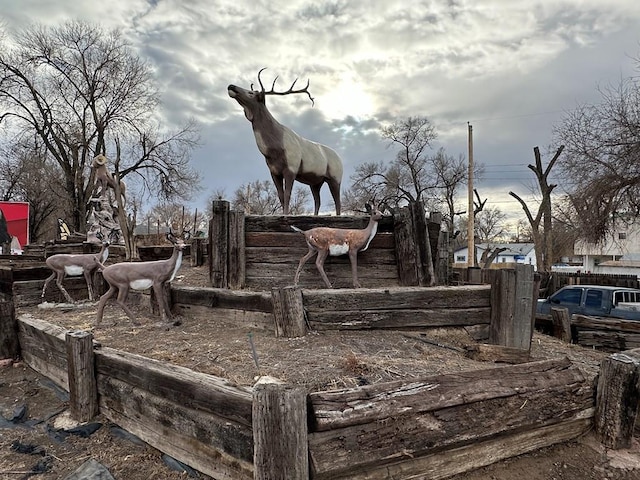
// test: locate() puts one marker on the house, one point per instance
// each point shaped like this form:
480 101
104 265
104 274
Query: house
510 254
618 253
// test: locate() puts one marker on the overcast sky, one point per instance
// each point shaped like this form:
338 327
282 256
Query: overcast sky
510 68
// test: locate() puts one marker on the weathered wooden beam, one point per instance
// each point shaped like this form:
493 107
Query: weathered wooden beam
561 323
9 342
618 398
464 458
209 443
426 432
177 384
280 432
483 352
237 257
219 244
83 392
288 312
374 403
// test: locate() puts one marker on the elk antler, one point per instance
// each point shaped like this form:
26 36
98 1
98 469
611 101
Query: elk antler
291 90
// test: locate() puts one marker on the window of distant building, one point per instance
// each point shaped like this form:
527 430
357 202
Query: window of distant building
622 235
461 258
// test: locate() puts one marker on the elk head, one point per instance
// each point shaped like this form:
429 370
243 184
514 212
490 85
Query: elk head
251 99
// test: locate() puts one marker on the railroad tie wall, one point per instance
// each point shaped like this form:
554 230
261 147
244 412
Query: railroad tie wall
434 426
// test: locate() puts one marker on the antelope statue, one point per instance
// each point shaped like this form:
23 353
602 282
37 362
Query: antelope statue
325 241
289 156
75 265
140 276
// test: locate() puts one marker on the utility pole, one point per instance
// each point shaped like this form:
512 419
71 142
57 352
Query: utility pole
471 247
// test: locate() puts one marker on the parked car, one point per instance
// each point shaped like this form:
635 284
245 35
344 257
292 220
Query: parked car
594 300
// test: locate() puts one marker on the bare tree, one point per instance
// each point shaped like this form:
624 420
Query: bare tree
409 176
261 198
602 159
77 88
542 233
22 170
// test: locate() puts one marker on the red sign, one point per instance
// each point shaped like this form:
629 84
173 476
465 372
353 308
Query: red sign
17 216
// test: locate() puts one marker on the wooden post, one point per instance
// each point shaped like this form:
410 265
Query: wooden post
511 307
9 344
280 449
288 312
406 251
197 252
237 260
83 391
617 399
219 244
474 275
561 323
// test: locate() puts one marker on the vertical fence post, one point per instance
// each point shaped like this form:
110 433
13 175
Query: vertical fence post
83 390
237 258
9 344
219 244
617 398
288 311
280 450
511 307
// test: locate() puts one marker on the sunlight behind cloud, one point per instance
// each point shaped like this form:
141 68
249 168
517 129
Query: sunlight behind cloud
347 98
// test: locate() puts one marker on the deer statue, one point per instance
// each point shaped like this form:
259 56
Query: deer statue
289 156
325 241
85 264
140 276
104 179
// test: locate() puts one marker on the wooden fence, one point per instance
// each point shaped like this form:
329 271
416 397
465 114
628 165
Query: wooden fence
434 427
260 252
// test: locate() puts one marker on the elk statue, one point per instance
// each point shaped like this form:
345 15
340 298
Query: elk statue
104 179
140 276
289 156
326 241
85 264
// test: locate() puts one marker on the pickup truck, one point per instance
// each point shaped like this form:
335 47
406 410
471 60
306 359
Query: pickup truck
595 301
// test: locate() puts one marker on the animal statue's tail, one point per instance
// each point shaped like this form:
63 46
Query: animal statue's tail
296 229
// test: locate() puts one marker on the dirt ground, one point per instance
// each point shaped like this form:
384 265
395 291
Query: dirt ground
318 361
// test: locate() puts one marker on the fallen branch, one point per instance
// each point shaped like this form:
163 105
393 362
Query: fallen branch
433 342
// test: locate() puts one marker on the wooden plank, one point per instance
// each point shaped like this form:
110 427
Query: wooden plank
222 298
42 365
503 289
610 324
292 239
497 353
292 255
237 250
30 292
282 223
374 403
248 319
410 318
464 458
608 341
268 282
9 342
206 442
423 433
398 298
219 244
178 384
